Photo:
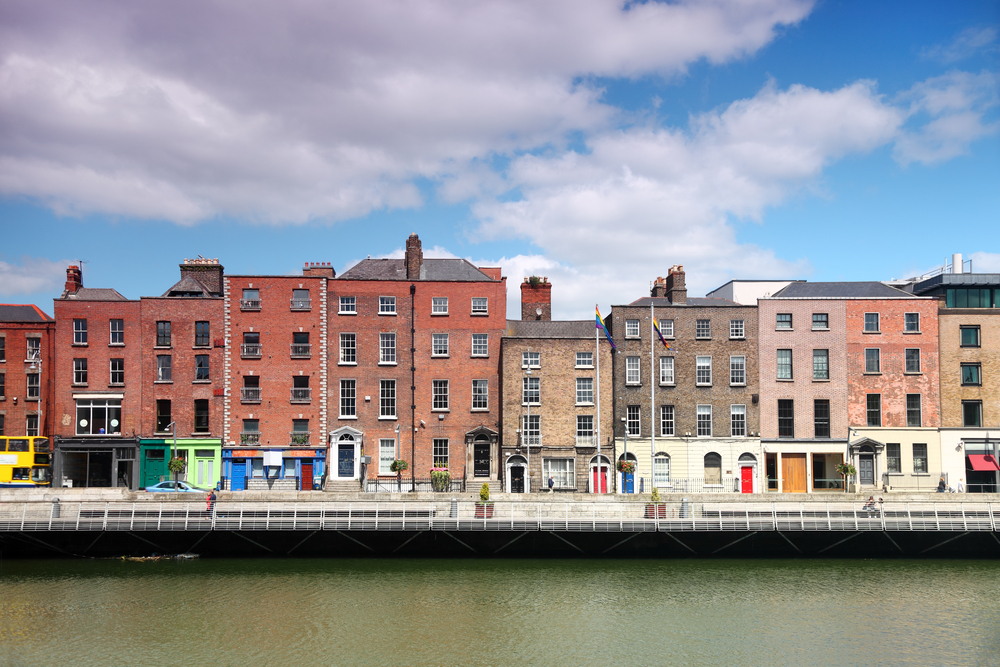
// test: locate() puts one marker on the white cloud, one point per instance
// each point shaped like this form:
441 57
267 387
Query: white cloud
286 112
953 109
34 275
966 44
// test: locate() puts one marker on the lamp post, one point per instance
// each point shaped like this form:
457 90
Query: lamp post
399 473
173 427
625 452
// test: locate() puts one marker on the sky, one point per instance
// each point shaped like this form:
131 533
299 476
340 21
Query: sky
595 142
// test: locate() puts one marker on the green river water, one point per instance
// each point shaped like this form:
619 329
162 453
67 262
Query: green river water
218 613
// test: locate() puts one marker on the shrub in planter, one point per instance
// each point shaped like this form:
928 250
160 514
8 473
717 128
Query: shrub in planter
398 466
484 508
656 509
440 479
848 471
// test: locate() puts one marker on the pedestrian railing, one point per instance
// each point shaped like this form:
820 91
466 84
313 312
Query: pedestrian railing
450 514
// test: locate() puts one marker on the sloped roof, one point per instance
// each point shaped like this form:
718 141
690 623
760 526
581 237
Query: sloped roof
188 286
847 290
430 269
96 294
692 301
550 329
22 313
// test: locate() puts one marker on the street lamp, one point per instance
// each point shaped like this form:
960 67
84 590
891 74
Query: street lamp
173 427
625 453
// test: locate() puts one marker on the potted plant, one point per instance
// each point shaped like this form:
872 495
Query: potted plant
847 470
440 477
484 508
176 466
398 466
626 466
300 439
656 509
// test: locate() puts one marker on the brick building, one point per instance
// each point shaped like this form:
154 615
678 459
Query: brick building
275 373
689 409
182 342
414 368
969 339
26 386
97 357
848 371
552 392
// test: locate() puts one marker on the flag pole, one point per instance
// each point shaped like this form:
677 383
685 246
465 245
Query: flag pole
652 397
597 353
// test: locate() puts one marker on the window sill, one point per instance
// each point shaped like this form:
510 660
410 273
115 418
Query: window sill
872 373
116 384
163 381
784 329
116 344
163 347
81 345
201 347
913 372
347 312
821 379
31 399
703 338
387 314
737 384
668 384
479 410
872 333
347 363
633 337
633 384
970 385
583 405
201 382
388 363
161 433
737 338
820 328
919 474
480 314
703 384
79 384
354 418
439 314
530 405
785 380
588 368
480 356
440 409
912 333
387 418
440 356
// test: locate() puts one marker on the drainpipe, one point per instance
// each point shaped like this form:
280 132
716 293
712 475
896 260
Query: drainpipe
413 391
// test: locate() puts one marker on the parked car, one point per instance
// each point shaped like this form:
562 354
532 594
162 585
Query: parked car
174 487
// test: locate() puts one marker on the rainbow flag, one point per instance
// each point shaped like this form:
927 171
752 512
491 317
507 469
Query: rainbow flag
656 326
600 325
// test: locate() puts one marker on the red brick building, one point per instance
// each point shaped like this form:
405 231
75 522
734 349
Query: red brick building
26 340
414 367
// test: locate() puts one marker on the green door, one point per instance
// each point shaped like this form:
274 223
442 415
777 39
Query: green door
154 466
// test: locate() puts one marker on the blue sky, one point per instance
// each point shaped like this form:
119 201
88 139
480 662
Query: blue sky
594 144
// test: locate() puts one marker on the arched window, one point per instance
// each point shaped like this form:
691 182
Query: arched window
347 437
748 458
713 468
661 469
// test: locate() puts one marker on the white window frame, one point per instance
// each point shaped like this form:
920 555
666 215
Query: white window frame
387 348
661 470
387 305
440 449
632 328
633 373
531 360
737 370
585 391
481 393
531 386
564 477
666 328
703 367
440 399
386 455
587 359
385 400
480 305
737 329
703 410
348 348
738 421
348 305
80 331
531 429
439 305
585 431
440 346
480 345
112 371
703 329
633 421
348 398
113 331
668 421
783 371
80 371
667 365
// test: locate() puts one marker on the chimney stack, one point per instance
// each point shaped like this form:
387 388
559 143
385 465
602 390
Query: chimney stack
74 279
414 257
675 288
321 269
206 271
536 299
659 287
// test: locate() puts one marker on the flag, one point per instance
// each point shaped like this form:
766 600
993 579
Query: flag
600 325
656 326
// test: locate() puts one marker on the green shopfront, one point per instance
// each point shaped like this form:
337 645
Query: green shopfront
202 457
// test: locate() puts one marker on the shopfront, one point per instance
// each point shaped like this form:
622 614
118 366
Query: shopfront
202 458
273 469
95 462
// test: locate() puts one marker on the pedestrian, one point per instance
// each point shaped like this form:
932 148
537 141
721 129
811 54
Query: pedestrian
552 484
961 486
210 503
942 486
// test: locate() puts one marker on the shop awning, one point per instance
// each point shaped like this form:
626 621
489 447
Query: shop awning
983 462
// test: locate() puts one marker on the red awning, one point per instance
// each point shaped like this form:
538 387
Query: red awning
983 462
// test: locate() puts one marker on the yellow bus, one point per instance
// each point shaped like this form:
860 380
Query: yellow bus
24 462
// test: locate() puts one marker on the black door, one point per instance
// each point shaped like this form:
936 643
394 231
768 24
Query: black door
481 459
517 479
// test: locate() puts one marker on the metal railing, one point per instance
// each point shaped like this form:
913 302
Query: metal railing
447 514
249 304
250 438
250 350
301 349
727 484
301 394
390 485
301 304
250 394
299 438
922 482
586 441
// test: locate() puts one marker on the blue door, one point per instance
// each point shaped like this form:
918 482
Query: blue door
345 461
239 478
628 482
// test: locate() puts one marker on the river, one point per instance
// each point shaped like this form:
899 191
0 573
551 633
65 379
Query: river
218 613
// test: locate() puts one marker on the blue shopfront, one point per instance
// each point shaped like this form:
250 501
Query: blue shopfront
273 469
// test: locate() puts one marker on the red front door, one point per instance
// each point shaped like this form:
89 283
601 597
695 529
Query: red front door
746 480
307 477
603 485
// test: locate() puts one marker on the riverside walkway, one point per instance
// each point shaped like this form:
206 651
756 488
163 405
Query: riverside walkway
362 526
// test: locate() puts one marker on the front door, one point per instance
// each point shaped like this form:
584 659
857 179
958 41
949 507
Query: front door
239 480
866 469
628 482
345 460
307 476
517 479
746 479
600 478
793 473
481 459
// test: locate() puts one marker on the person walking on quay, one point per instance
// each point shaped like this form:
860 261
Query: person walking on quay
961 486
210 504
942 486
552 483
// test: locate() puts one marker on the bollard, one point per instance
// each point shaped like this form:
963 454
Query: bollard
454 508
55 509
685 509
